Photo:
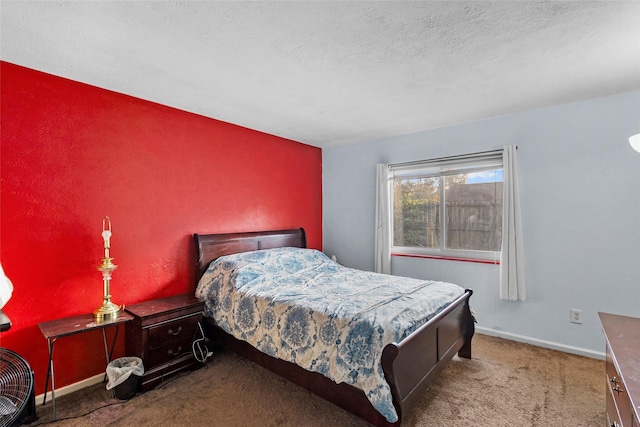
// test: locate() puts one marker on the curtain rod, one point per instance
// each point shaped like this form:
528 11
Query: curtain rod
440 159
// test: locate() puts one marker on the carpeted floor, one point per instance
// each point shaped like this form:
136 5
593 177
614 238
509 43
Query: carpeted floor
505 384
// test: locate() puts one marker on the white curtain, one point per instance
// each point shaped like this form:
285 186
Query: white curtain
382 262
512 286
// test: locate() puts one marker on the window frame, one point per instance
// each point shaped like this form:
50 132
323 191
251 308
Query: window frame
442 167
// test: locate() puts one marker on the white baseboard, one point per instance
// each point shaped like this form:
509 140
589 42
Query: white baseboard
542 343
72 387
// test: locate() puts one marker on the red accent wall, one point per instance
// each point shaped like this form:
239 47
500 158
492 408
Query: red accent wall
72 153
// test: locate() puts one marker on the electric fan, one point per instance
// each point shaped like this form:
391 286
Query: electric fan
16 388
17 393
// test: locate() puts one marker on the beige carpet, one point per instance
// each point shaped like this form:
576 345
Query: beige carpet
505 384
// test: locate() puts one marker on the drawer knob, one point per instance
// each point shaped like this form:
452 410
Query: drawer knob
617 389
172 353
614 380
176 332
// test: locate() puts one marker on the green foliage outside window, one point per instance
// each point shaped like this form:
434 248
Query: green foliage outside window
472 213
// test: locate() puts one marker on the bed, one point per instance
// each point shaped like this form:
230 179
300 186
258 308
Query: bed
407 366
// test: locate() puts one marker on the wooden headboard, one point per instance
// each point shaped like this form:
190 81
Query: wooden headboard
212 246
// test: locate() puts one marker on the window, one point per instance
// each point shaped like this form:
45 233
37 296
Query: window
448 207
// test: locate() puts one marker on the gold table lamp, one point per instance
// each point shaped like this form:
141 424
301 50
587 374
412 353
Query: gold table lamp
107 310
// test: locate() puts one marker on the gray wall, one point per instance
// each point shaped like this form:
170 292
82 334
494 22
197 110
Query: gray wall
580 197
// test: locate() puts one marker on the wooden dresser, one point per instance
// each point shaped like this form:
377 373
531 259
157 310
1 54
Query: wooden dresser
161 334
622 369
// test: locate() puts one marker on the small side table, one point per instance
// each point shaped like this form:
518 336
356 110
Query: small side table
55 329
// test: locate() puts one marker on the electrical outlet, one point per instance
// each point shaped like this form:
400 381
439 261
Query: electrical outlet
575 316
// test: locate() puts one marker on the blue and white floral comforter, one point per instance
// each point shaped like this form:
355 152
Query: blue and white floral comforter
298 305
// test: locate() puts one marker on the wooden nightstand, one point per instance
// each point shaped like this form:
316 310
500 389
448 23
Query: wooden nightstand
161 334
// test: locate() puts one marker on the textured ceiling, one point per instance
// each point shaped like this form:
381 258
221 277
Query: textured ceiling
327 73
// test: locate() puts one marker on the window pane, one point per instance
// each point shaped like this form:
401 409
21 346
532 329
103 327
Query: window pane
473 210
416 212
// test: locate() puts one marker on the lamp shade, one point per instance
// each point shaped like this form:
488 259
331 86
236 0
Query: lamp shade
6 288
634 140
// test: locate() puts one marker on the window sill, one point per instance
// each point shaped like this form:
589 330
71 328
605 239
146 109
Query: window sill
449 258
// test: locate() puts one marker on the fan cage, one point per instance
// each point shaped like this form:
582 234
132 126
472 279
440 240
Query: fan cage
16 387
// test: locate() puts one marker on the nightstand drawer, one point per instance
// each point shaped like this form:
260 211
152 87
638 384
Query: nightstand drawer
169 352
177 330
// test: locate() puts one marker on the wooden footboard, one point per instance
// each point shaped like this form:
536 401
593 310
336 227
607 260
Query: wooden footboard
409 366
